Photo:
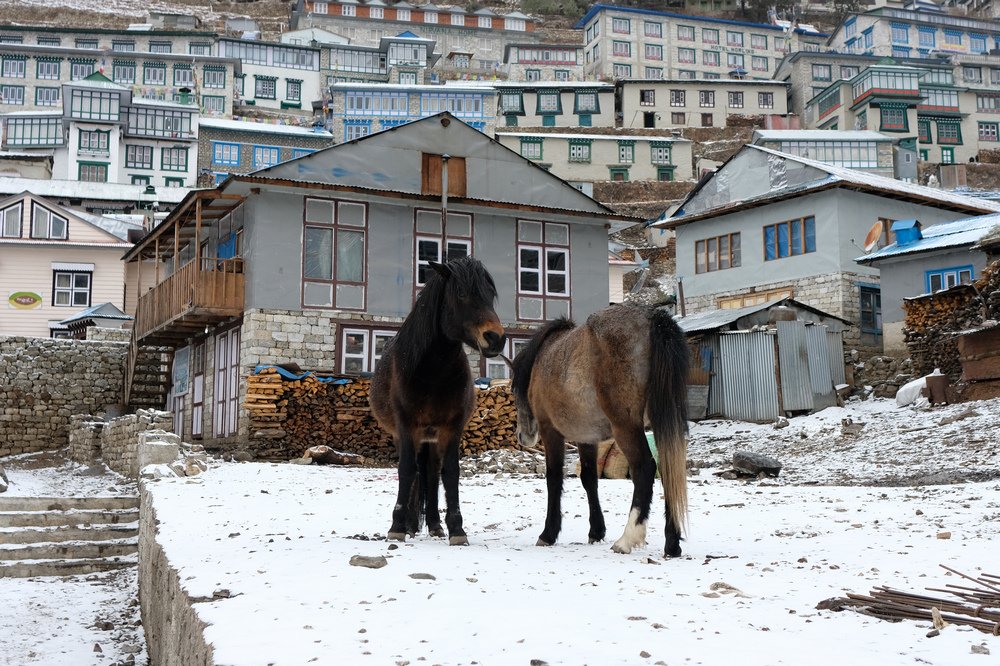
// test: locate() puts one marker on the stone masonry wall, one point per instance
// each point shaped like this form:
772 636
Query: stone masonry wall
120 439
85 438
44 381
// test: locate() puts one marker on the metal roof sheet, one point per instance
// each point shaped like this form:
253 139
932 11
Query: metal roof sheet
246 126
714 319
821 135
940 236
75 189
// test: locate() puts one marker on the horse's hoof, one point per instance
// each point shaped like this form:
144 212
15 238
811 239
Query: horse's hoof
622 548
435 531
395 536
543 542
672 553
458 540
596 539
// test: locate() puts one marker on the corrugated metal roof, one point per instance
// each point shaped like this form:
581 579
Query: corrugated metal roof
598 137
12 241
820 135
75 189
940 236
714 319
102 311
246 126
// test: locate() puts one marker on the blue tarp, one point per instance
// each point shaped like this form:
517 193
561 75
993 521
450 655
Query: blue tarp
291 375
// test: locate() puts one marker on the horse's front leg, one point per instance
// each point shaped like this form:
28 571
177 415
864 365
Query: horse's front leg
588 476
431 480
407 472
642 467
449 475
555 459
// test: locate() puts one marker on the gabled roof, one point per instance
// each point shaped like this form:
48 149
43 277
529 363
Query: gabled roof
716 319
820 135
116 229
77 189
795 177
97 80
946 235
102 311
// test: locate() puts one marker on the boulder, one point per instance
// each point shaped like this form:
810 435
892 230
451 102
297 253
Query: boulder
748 462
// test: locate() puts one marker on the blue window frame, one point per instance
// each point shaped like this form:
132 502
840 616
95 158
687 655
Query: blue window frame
301 152
265 156
791 238
927 37
945 278
225 154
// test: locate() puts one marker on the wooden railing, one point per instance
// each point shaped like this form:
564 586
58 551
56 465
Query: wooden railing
215 289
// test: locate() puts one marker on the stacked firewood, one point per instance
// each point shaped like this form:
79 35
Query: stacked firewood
932 320
308 412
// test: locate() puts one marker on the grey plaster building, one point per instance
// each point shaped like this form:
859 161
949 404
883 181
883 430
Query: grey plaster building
236 146
771 225
316 261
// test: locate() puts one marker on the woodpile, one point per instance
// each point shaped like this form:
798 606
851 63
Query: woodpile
932 320
287 417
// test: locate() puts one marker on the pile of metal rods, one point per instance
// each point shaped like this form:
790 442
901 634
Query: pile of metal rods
977 606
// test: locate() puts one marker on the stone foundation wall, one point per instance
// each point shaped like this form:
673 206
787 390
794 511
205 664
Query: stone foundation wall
85 438
43 382
175 636
120 439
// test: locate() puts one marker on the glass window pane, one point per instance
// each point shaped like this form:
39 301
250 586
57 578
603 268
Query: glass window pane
529 258
319 211
62 298
351 214
529 231
81 281
80 298
428 222
556 283
427 250
935 282
63 280
58 227
350 256
354 342
735 249
459 225
457 250
723 252
810 234
770 249
556 261
557 234
319 253
529 281
783 240
713 263
796 236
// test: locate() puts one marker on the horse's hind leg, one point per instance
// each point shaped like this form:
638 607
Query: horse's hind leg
588 476
555 458
432 478
407 472
632 441
449 475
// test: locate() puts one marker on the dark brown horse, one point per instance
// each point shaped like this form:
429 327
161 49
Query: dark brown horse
627 366
422 392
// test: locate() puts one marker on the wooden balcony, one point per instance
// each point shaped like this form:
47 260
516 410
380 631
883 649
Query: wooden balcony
200 294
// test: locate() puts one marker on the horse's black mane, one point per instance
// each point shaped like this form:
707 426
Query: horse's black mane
421 327
525 360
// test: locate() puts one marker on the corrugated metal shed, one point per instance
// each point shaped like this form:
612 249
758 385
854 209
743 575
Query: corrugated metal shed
793 366
748 374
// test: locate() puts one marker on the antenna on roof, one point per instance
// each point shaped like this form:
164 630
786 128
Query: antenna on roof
874 234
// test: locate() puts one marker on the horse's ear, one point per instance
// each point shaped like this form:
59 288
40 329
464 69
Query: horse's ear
440 269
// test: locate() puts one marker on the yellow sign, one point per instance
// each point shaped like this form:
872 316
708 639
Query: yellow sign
24 300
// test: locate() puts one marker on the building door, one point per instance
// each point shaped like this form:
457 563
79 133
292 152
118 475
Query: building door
227 386
198 390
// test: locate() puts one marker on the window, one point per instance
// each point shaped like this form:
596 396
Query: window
362 348
34 131
458 19
12 95
686 56
871 309
402 14
10 221
622 26
677 97
972 74
47 70
677 118
652 29
734 38
138 157
46 224
685 33
86 43
93 172
513 102
293 90
758 63
123 73
579 151
621 49
758 42
949 132
548 102
924 131
735 99
626 152
174 159
894 119
735 60
660 154
485 22
173 182
160 47
213 105
14 68
654 52
265 156
654 72
822 73
154 75
214 78
71 289
988 131
787 239
356 129
333 267
952 38
531 148
647 97
183 77
710 58
432 245
717 253
265 87
765 100
707 120
376 12
430 17
947 155
200 48
496 368
899 33
93 141
706 98
542 268
46 96
49 41
946 278
586 102
81 69
926 37
709 36
348 10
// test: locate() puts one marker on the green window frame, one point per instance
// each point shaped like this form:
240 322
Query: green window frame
507 102
140 180
511 120
48 72
169 161
550 107
190 76
217 101
173 181
159 80
661 154
14 71
924 131
12 94
665 173
618 173
949 133
925 154
893 119
586 102
239 84
579 151
586 120
293 90
626 152
531 148
947 155
213 77
94 140
265 87
48 96
89 168
548 121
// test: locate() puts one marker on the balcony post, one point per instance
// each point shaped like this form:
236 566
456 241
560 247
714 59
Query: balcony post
197 249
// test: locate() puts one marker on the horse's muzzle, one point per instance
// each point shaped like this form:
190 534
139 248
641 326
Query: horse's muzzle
494 343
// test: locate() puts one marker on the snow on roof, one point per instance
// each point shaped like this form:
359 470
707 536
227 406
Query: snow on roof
713 319
142 101
595 137
458 85
959 233
548 84
74 189
247 126
118 226
821 135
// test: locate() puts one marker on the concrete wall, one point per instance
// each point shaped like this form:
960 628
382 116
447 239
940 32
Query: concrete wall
43 382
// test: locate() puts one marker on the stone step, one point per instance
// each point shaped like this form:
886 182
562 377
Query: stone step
31 568
68 533
66 503
74 517
70 550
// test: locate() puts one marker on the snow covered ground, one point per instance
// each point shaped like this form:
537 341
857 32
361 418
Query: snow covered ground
759 556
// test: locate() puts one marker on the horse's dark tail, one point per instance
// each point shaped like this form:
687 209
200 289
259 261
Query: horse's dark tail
666 404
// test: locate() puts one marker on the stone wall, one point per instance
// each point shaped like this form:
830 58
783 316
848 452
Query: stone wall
44 381
175 636
85 438
120 439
